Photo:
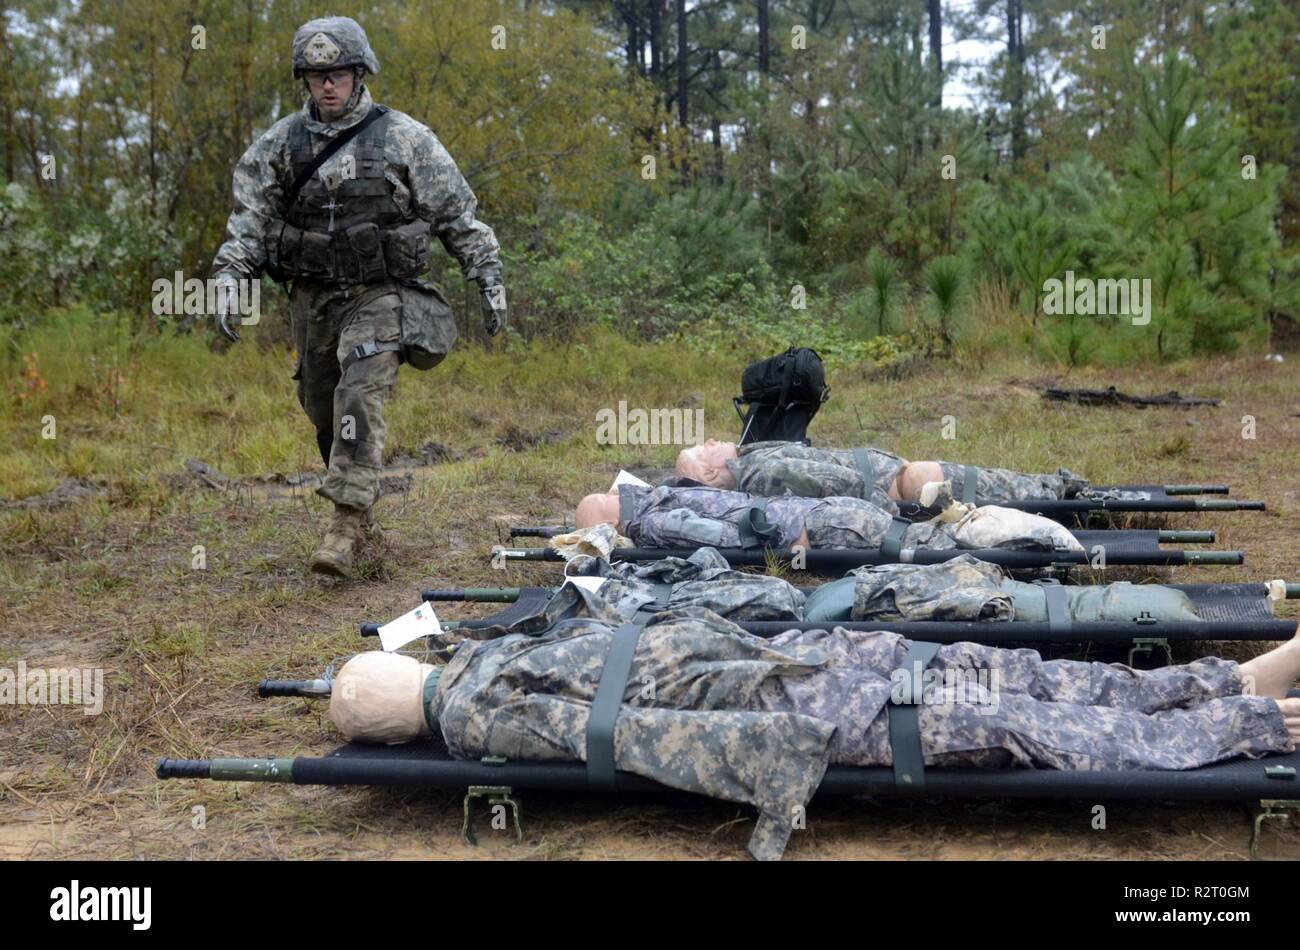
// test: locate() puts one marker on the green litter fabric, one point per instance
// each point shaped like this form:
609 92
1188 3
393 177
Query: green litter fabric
1121 601
830 602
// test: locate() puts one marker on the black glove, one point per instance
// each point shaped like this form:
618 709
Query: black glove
492 302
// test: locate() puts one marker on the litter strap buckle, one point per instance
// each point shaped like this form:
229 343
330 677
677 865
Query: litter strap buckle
892 545
663 593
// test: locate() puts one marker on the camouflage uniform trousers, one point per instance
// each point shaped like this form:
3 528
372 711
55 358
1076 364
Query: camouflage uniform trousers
1054 714
1000 484
853 523
347 407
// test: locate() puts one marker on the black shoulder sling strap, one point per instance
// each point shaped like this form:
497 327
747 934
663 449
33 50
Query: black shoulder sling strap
328 152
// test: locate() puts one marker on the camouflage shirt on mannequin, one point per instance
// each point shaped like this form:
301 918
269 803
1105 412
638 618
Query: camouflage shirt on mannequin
711 709
772 468
669 517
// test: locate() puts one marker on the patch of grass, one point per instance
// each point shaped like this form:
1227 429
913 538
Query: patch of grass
111 581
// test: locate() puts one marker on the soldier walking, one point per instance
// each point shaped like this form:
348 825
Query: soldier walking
340 199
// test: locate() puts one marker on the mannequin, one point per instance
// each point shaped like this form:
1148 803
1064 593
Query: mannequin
725 700
770 469
696 516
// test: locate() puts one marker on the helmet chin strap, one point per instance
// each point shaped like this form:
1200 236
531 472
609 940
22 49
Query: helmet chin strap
358 87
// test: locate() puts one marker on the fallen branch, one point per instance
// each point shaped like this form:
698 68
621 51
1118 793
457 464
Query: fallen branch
1112 397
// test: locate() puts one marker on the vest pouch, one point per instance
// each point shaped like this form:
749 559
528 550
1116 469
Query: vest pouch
271 238
307 253
361 254
406 249
428 328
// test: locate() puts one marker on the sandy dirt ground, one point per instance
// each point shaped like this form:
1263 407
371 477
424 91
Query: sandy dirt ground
109 582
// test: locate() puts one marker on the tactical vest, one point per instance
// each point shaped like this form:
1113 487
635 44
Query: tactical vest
353 235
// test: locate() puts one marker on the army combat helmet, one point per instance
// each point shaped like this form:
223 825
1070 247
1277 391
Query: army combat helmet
334 42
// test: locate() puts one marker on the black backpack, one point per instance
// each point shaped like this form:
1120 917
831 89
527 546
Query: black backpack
783 392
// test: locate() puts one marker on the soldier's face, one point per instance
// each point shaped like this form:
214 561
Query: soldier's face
331 90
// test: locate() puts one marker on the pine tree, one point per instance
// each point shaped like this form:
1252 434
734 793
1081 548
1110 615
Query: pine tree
1192 220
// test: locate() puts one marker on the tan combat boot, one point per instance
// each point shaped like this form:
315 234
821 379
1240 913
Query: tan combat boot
370 529
334 556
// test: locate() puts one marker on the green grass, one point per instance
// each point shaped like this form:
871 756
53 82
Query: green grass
109 580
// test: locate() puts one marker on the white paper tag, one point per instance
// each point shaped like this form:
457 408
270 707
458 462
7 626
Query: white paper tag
420 622
590 584
627 478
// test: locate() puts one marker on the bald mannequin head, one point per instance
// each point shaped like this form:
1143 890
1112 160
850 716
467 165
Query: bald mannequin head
597 509
707 463
912 477
379 697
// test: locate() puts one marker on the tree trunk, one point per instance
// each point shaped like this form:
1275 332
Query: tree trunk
656 38
683 113
935 9
1016 67
633 38
715 123
763 40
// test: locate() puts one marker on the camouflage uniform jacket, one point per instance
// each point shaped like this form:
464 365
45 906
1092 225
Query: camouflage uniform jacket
961 589
691 717
705 579
698 517
769 469
425 183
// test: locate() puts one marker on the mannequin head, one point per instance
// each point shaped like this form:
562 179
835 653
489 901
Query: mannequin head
912 477
597 509
379 697
707 463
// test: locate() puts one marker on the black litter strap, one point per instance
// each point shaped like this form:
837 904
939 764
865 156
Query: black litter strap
904 717
624 507
663 593
606 704
1058 610
863 462
892 544
754 528
970 480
